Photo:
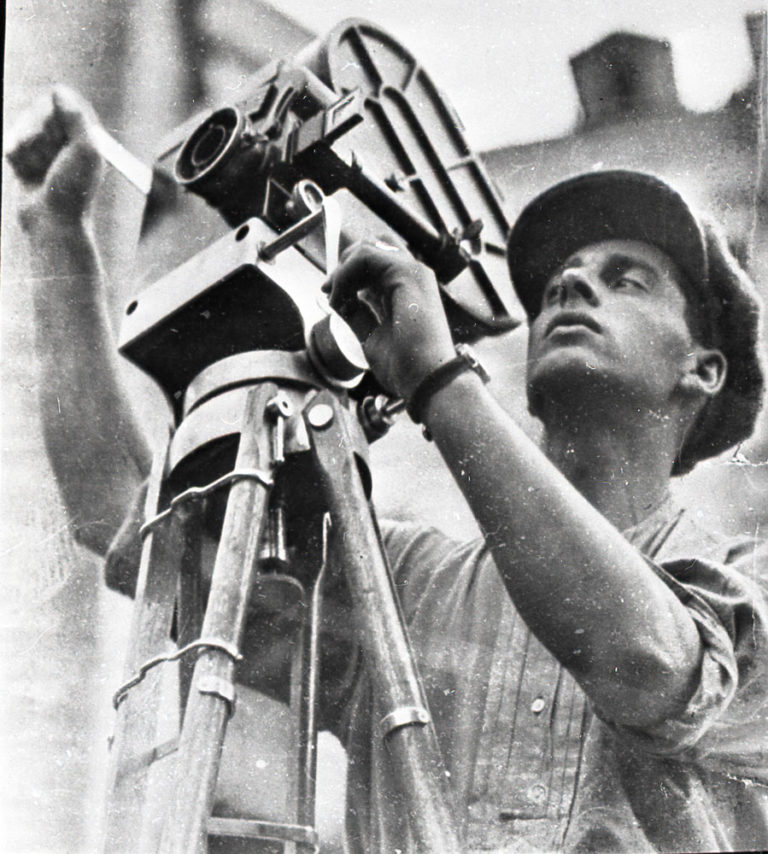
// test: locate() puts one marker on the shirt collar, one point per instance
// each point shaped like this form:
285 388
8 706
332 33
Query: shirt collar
650 534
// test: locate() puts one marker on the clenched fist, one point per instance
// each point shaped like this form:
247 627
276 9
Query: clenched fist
52 156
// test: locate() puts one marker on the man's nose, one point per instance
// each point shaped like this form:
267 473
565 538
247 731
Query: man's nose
575 285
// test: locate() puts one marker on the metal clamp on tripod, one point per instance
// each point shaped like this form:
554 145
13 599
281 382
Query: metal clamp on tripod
274 408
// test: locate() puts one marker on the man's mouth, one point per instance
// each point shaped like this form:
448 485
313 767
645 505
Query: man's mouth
572 318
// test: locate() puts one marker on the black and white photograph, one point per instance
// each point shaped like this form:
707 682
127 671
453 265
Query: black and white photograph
384 439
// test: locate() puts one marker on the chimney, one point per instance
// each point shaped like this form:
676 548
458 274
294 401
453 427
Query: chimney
758 39
625 75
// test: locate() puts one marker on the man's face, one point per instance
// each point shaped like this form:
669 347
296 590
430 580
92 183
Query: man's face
612 322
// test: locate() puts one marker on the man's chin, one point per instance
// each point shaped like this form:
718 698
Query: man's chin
572 383
566 366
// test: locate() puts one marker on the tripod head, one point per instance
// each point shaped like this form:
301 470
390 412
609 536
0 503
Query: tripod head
232 255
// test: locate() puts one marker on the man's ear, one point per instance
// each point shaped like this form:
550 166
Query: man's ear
704 373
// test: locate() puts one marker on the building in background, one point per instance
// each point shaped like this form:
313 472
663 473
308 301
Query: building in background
632 118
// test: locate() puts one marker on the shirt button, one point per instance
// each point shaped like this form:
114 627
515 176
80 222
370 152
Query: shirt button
537 793
537 706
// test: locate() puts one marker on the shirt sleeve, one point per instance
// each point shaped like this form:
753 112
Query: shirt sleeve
725 722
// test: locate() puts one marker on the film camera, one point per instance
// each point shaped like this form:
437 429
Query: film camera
351 130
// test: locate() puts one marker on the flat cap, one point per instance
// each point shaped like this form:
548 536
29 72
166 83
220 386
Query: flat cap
627 205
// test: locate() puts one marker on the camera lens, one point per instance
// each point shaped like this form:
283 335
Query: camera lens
209 146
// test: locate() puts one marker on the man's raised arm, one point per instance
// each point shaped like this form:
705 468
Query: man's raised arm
96 448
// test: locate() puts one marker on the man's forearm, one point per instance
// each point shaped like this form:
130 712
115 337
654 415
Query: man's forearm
587 594
97 450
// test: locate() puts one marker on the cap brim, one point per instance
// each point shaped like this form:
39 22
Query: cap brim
615 205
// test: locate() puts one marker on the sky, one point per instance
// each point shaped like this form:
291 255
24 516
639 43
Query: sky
504 64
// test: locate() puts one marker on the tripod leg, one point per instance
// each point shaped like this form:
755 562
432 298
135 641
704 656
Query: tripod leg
305 795
405 724
134 744
189 603
212 692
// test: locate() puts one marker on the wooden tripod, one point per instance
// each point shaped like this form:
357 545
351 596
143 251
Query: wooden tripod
288 431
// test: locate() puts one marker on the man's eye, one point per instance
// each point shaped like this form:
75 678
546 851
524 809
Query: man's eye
627 283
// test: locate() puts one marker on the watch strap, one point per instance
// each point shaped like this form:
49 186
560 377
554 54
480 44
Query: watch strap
441 376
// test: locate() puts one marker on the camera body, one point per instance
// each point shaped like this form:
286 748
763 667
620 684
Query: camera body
353 118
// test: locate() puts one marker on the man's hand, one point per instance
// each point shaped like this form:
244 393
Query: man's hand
393 304
51 155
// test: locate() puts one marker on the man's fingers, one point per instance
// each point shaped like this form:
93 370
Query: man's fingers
390 242
359 288
30 162
348 250
35 140
376 303
49 124
364 284
360 268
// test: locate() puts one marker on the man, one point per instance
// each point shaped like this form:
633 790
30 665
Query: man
596 667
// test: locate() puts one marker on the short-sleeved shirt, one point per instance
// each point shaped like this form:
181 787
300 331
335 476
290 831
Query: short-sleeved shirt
534 766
